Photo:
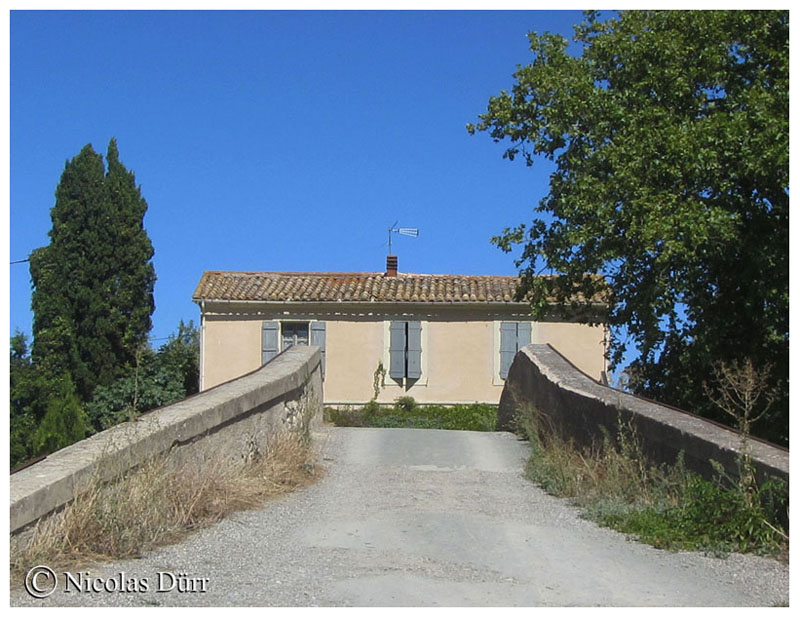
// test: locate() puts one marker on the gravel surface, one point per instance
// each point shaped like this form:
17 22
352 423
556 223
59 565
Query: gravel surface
409 517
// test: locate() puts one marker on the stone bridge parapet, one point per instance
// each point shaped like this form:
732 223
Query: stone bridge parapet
235 418
579 407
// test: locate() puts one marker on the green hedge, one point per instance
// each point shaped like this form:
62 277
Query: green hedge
407 413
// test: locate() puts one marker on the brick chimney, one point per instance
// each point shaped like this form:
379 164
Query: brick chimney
391 265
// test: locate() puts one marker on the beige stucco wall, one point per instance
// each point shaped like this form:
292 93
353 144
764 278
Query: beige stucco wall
230 347
353 349
460 358
583 345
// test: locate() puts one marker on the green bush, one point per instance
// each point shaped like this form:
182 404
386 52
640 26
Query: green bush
710 517
405 403
344 417
370 411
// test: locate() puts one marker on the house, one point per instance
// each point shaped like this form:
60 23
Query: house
438 338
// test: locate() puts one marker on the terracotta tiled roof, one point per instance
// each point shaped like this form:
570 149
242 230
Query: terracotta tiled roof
354 287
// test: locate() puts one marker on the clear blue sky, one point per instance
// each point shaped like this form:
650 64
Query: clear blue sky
279 141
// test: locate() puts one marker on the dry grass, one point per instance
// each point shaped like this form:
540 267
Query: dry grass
160 503
611 471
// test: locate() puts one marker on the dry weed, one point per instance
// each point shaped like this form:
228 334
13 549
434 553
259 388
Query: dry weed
159 503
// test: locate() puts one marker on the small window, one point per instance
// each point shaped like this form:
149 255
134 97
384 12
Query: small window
293 333
405 350
513 337
290 334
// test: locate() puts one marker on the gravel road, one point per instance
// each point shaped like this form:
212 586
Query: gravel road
411 517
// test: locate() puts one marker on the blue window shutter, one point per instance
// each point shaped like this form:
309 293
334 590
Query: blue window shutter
523 334
269 341
508 346
397 350
414 348
318 339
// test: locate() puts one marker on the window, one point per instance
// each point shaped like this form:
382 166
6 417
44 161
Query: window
405 350
513 337
293 333
289 334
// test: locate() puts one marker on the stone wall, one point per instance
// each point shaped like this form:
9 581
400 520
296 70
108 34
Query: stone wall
579 407
236 418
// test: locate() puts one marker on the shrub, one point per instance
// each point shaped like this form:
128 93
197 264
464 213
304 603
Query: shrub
370 411
353 417
344 417
406 403
710 517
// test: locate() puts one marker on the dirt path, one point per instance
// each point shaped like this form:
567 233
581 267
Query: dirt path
425 517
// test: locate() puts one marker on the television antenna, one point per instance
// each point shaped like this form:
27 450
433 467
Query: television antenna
405 231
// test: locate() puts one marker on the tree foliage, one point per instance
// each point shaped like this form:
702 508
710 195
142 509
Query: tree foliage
45 413
92 301
64 421
181 355
29 393
132 273
93 284
669 132
158 379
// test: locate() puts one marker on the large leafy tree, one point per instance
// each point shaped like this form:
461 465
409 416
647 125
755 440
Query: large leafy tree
93 284
669 131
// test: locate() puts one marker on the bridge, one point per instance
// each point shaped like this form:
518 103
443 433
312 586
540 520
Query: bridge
402 516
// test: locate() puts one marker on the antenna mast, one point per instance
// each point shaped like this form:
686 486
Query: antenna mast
405 231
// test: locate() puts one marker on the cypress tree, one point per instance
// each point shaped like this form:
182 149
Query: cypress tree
62 273
131 273
93 284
